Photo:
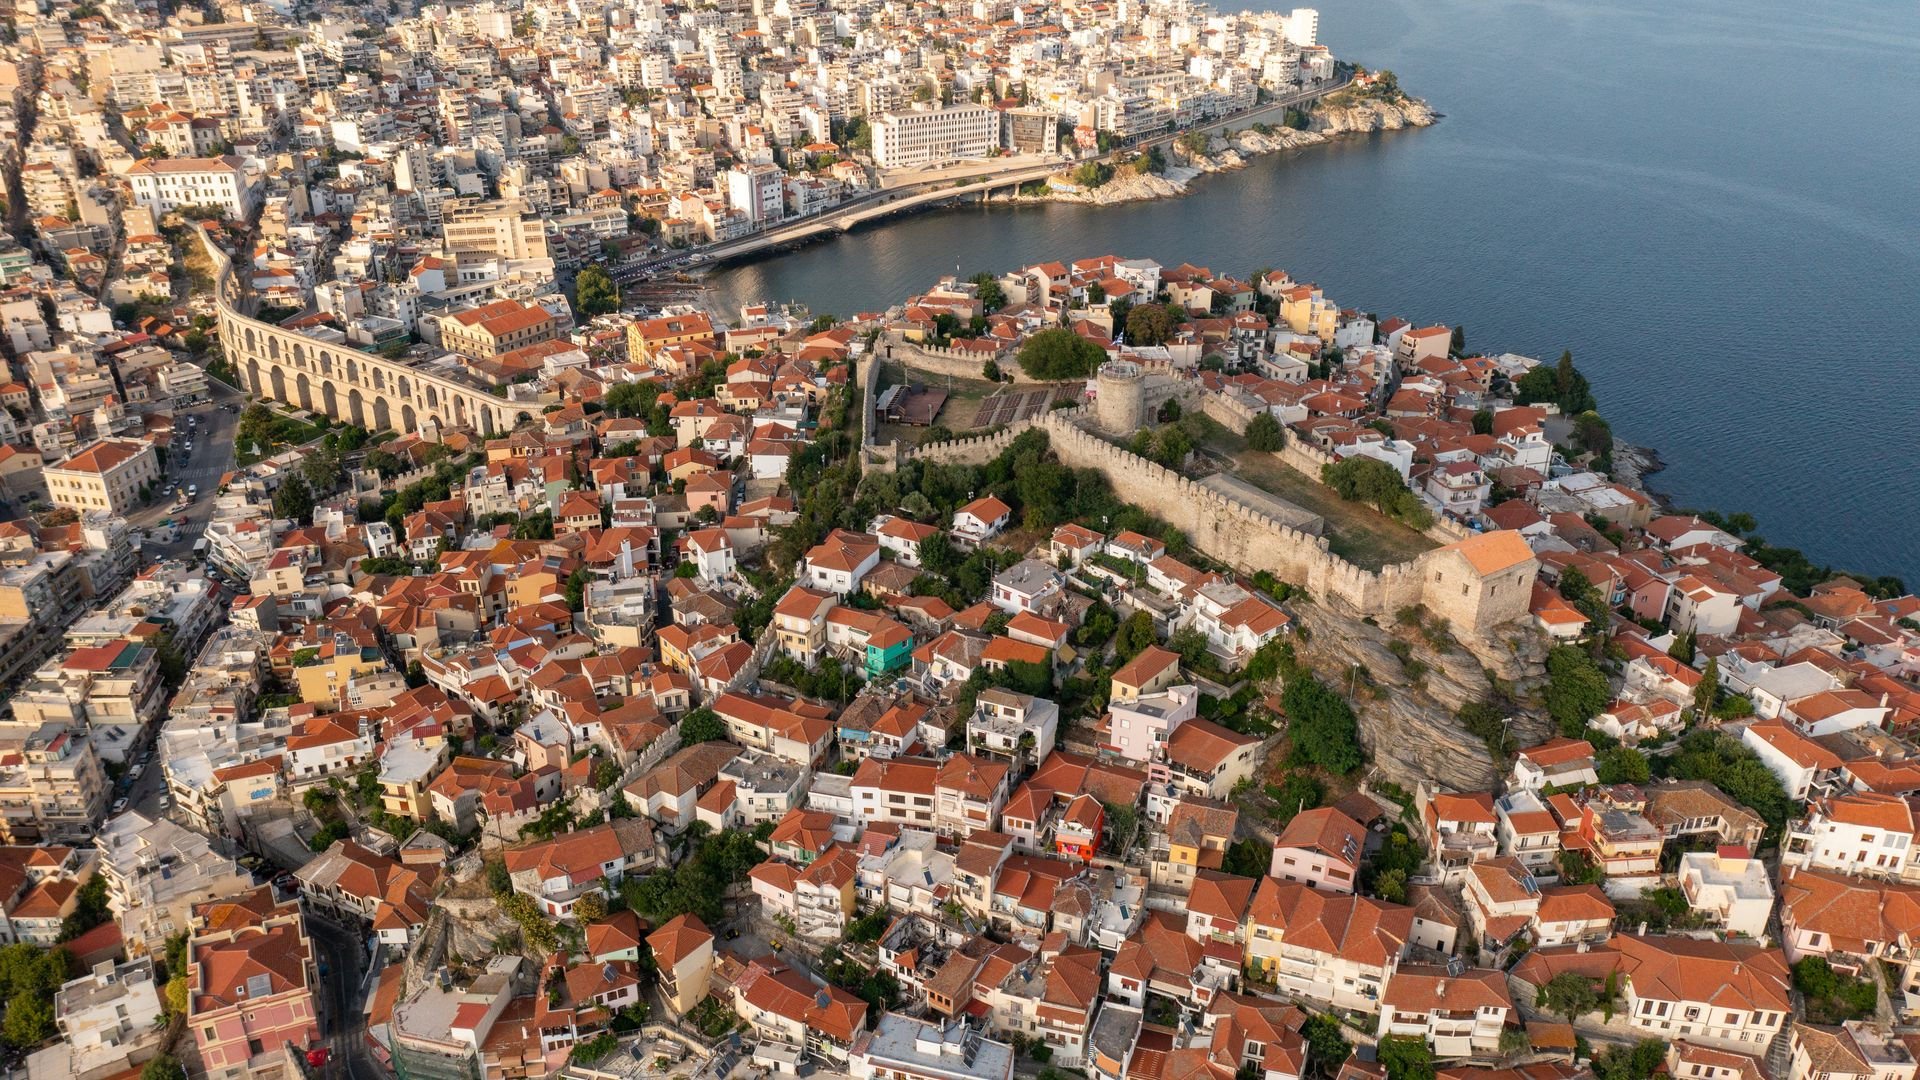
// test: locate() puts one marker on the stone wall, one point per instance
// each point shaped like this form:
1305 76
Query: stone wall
933 360
1250 540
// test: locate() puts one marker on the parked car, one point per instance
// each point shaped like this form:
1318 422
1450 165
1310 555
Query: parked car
119 804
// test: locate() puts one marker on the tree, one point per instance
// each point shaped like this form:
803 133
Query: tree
1641 1061
1327 1043
1152 324
1569 994
595 291
163 1067
1321 725
1683 647
89 911
992 297
1406 1057
1593 434
1483 421
1709 688
29 1020
1623 765
701 725
294 500
1265 433
1578 590
1248 858
1136 633
1577 689
1368 479
591 907
576 589
1059 353
1458 346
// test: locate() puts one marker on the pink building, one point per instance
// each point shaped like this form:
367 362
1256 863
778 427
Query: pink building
1321 848
250 988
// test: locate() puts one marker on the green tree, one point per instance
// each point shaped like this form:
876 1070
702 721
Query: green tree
1577 690
1705 694
1136 633
1059 353
1483 421
1327 1044
701 725
1370 480
1265 433
992 297
596 292
1569 994
1623 765
1406 1057
29 1020
1683 648
294 500
1321 726
1152 324
1641 1061
163 1067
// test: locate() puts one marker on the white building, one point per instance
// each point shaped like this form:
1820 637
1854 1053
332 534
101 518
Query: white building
170 183
1730 886
912 139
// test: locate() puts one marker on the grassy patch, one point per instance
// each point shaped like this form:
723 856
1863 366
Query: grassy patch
1357 533
286 432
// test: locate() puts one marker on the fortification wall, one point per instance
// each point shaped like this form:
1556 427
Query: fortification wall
1230 411
922 359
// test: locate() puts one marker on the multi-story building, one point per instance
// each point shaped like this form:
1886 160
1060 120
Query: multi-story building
107 1019
1859 833
499 327
110 475
167 184
1322 848
907 140
56 792
1456 1014
683 952
1333 949
903 1048
251 1007
156 872
1723 994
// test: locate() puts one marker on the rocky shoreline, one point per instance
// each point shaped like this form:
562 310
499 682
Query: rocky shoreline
1633 464
1236 151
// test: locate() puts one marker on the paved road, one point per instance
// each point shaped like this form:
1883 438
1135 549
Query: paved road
344 953
211 459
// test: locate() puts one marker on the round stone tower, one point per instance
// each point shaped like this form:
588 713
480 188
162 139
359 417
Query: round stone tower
1120 397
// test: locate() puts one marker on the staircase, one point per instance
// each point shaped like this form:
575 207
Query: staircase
1779 1058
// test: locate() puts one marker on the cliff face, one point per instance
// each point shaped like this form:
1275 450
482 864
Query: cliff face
1408 726
1342 116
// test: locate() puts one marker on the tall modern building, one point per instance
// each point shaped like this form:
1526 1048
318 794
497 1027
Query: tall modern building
1303 27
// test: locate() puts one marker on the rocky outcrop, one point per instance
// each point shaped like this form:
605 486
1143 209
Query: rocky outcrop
1343 115
1406 708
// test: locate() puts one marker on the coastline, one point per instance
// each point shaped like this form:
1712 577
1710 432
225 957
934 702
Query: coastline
1236 150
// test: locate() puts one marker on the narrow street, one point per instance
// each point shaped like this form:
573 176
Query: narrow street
212 458
343 954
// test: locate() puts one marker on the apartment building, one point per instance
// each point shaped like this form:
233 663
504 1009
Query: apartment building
1333 949
55 791
1862 832
251 1006
1456 1015
683 953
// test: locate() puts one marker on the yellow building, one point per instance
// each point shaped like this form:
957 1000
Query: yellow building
683 950
1198 833
647 336
500 327
108 475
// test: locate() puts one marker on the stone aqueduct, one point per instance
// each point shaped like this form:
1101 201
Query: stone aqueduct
342 382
